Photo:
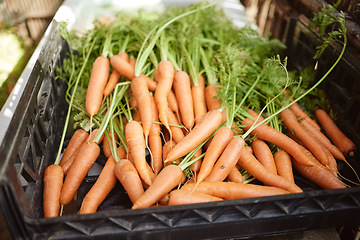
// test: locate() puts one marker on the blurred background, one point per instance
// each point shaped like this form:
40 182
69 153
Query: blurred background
22 24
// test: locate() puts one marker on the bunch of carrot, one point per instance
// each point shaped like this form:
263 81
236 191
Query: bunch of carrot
203 102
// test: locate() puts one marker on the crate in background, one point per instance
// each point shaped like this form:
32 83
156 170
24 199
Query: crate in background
272 16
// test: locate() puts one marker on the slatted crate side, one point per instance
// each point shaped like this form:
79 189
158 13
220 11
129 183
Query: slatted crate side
36 14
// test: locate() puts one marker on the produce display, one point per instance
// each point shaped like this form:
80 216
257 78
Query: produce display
187 108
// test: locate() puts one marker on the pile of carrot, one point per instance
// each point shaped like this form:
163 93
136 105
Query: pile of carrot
187 109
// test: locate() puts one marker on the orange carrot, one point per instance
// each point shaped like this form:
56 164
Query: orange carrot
198 95
257 170
283 165
332 164
114 76
129 178
212 102
176 132
92 136
210 122
263 153
235 176
85 158
113 80
142 96
166 76
106 145
75 143
231 190
133 105
136 145
123 66
292 123
127 70
168 178
66 166
173 103
270 134
318 173
195 167
124 56
255 115
227 160
346 146
121 152
302 115
101 189
98 80
179 197
53 181
166 149
182 89
155 143
323 140
132 62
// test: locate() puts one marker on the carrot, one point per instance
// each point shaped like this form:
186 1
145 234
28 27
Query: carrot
136 145
302 115
122 66
124 55
166 149
93 134
133 105
53 181
166 76
323 140
179 197
114 76
270 134
77 139
176 131
155 143
101 189
283 165
85 158
346 146
257 170
106 145
227 160
168 178
113 80
129 178
212 103
173 103
255 115
235 175
132 62
231 190
141 94
121 152
126 69
195 167
318 173
292 123
182 89
263 153
210 122
198 95
98 80
67 165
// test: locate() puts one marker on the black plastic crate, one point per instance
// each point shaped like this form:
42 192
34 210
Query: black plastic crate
31 141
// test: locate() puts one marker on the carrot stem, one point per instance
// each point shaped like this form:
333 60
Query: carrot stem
57 160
